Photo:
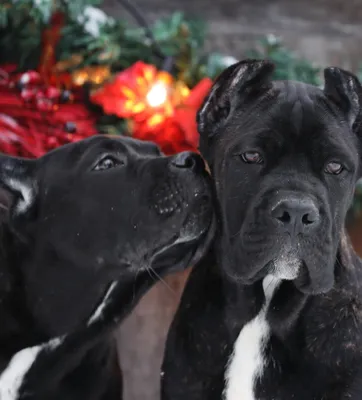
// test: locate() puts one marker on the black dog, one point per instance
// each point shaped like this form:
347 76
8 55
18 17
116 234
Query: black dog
100 216
275 313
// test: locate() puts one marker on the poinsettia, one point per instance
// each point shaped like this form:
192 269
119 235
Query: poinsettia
177 132
127 96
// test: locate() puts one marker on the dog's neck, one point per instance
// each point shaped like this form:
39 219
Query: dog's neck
19 328
40 369
16 318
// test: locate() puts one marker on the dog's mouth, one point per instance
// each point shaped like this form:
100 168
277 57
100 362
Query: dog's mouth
185 248
191 239
295 270
285 267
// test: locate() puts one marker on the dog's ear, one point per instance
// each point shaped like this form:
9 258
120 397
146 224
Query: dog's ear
345 90
241 79
17 184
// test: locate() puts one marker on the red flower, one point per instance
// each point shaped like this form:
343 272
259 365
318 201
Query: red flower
158 109
178 132
142 93
126 95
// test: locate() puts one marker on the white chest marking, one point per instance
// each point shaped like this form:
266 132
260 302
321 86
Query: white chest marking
12 377
98 313
247 361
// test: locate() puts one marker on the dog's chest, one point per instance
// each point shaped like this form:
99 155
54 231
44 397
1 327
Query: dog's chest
247 362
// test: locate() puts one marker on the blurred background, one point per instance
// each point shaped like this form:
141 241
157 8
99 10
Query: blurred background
323 31
301 36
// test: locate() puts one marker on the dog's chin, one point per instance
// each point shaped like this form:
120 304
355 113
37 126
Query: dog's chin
186 248
312 287
289 269
283 267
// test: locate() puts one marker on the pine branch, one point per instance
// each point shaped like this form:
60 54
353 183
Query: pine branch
288 64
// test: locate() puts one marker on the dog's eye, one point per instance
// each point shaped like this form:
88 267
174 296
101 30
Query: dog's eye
334 168
107 163
252 157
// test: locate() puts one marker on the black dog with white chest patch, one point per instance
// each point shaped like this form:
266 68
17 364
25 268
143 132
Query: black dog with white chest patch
275 311
99 219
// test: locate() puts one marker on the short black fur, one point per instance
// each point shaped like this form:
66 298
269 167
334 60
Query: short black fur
73 222
283 216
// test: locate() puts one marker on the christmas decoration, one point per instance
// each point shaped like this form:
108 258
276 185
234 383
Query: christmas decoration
161 109
36 117
68 71
178 132
140 91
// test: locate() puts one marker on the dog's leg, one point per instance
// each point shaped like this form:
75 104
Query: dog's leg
35 370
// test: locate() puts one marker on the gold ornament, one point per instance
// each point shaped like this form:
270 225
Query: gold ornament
92 74
65 65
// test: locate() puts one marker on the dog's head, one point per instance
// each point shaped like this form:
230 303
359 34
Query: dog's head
99 210
285 159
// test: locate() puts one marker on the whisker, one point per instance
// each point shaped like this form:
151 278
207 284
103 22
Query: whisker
134 286
162 280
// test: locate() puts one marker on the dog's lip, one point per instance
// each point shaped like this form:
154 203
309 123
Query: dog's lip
258 276
309 290
305 284
195 252
301 282
267 269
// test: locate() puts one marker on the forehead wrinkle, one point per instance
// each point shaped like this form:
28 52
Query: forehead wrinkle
300 105
297 111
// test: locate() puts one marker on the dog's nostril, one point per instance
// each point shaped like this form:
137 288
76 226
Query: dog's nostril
308 219
284 217
187 160
296 215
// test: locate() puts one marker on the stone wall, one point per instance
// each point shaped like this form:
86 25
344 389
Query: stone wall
324 31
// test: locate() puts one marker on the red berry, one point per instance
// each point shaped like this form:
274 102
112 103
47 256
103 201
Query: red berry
52 142
28 94
29 77
52 93
39 94
44 104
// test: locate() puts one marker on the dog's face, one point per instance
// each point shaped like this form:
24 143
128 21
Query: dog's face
99 210
285 159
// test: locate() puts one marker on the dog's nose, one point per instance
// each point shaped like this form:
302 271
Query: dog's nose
296 215
188 160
